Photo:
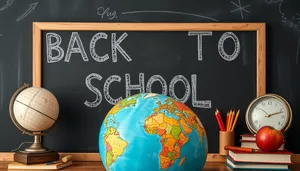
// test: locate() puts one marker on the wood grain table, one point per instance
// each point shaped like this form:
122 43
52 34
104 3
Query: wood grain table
93 166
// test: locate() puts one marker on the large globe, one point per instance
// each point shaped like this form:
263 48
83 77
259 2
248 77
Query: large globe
152 132
35 109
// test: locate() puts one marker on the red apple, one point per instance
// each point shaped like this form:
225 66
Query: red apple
269 139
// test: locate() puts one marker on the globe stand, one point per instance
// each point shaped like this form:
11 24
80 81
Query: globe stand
36 153
37 146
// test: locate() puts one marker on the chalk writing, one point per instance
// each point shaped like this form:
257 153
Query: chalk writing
71 49
292 22
140 86
237 47
221 49
240 8
54 40
54 45
94 40
95 90
115 45
195 102
187 88
161 80
298 48
107 83
8 4
75 45
171 12
106 12
28 11
200 34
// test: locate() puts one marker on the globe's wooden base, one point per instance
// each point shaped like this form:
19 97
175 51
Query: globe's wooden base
35 158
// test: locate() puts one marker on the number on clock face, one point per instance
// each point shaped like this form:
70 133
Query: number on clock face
268 111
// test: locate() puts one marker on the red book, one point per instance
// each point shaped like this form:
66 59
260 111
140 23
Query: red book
279 157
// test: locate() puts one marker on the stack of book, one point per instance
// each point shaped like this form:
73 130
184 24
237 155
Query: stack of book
248 140
279 160
258 160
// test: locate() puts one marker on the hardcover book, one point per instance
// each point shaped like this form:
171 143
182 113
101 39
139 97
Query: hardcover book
279 157
255 166
252 144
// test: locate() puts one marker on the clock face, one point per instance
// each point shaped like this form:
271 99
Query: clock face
268 110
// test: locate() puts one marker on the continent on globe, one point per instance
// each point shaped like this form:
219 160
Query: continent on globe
181 161
153 132
172 129
121 105
114 144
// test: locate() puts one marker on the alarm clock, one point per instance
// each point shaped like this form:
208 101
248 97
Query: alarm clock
269 110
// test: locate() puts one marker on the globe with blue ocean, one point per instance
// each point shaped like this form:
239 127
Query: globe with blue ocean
152 132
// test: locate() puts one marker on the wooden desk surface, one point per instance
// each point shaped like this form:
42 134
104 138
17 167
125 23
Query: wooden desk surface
92 166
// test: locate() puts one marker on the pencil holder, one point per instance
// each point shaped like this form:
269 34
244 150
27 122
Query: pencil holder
225 138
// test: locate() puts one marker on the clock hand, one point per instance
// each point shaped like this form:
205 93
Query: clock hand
274 113
267 115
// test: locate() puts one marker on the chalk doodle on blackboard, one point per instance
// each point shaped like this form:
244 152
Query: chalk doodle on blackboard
106 12
298 48
240 8
170 12
28 11
8 4
293 21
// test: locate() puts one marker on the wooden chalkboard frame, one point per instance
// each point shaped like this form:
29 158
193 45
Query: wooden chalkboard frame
259 28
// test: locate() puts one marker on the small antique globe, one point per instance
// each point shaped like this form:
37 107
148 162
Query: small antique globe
152 132
34 110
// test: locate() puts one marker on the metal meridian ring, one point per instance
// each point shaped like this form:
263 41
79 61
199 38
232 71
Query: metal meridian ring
12 115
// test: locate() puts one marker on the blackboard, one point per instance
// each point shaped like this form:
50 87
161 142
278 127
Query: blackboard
90 67
282 44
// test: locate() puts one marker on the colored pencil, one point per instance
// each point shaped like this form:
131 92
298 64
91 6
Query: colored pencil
222 123
232 119
218 121
241 149
235 119
227 118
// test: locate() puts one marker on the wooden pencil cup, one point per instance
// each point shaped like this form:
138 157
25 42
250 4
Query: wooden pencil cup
225 138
